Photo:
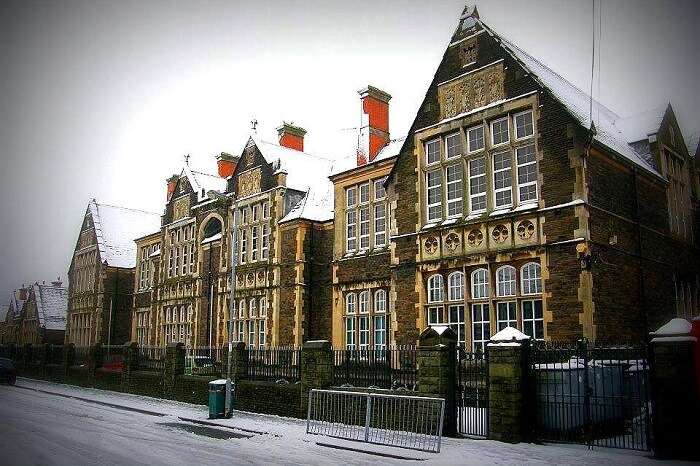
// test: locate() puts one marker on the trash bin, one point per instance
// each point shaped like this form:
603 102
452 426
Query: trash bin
217 398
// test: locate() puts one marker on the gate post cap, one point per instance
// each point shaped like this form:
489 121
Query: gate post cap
675 330
509 334
437 335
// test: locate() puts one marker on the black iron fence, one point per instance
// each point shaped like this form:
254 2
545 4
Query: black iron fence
55 355
151 358
472 393
592 395
113 357
206 361
82 353
391 368
274 364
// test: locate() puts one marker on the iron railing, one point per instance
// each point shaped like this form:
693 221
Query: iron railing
472 393
274 364
151 358
113 357
206 361
384 419
598 396
55 354
82 353
392 368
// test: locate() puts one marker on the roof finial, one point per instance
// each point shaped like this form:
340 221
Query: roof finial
187 160
254 125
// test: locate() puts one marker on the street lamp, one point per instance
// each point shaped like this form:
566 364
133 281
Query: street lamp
214 195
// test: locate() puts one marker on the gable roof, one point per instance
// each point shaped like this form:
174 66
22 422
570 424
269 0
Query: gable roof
14 307
577 103
641 125
51 306
306 173
203 182
116 228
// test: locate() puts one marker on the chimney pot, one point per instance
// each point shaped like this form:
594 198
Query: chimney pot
291 136
226 164
172 182
374 128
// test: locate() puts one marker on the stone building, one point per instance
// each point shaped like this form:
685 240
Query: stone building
101 274
11 316
43 316
517 210
361 265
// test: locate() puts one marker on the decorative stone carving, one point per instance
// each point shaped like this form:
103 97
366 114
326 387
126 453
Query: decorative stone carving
475 238
250 278
431 245
249 182
468 51
261 276
239 279
181 208
471 91
452 241
500 233
525 229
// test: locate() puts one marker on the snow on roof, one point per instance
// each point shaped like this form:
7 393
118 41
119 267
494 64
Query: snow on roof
51 306
639 126
204 182
577 102
390 150
116 228
14 307
305 172
509 334
694 144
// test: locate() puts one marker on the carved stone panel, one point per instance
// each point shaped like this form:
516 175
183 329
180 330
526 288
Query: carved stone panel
249 182
181 208
468 51
471 91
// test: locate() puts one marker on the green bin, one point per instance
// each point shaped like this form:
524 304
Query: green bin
217 399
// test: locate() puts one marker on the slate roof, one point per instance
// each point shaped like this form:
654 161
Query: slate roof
14 307
608 123
51 306
306 173
203 182
116 228
390 150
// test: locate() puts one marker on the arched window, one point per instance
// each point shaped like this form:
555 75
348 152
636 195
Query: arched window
436 293
531 278
263 307
455 290
480 284
364 302
350 303
241 309
253 308
211 229
505 281
380 301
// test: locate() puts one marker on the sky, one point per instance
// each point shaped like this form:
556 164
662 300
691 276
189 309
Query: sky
103 99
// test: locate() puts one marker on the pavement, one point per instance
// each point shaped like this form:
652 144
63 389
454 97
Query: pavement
44 423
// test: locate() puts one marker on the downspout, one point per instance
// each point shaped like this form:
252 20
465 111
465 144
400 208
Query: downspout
640 270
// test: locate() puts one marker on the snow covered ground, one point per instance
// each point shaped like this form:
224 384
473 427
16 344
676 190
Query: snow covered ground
79 426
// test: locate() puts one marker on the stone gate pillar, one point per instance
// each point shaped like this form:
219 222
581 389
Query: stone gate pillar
437 365
675 410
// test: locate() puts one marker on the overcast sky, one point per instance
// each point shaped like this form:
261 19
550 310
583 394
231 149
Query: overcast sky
102 99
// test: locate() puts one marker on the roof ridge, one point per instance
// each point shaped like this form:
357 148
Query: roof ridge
509 44
257 140
100 204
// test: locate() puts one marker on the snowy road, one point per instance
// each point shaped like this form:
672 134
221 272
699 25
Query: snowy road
108 428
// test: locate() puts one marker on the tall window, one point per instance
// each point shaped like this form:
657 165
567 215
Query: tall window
143 326
502 179
250 321
527 173
455 312
254 233
505 281
350 309
262 323
477 185
453 145
435 289
244 245
181 249
177 324
531 308
365 216
481 326
380 303
499 131
505 287
254 243
433 182
453 175
475 137
265 247
480 284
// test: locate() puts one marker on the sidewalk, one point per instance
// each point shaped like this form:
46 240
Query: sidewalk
285 438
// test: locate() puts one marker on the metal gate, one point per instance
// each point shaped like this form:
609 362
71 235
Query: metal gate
592 395
472 393
385 419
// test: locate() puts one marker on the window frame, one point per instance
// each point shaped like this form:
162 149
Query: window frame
515 125
430 142
469 141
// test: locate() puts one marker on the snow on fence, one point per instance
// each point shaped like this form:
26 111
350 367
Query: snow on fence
384 419
393 367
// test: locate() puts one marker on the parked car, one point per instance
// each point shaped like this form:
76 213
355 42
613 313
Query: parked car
8 374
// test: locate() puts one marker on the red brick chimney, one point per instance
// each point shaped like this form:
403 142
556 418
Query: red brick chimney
374 129
172 182
226 164
291 136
